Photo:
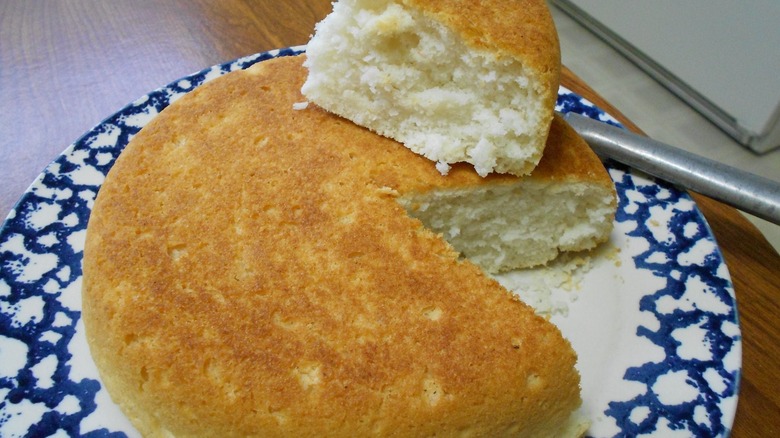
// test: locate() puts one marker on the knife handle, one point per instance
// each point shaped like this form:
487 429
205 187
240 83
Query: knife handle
748 192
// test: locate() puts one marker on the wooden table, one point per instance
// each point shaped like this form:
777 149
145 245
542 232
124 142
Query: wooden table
65 65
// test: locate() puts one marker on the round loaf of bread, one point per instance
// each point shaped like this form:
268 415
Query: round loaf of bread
249 271
453 80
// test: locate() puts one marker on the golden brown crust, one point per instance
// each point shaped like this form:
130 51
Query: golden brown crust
519 29
247 271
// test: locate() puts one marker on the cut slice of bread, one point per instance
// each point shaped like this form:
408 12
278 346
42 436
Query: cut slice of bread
453 80
249 271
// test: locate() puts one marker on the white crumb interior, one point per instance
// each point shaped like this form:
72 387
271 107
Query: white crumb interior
506 227
406 76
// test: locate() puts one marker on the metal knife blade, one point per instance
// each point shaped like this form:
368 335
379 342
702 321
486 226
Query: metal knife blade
743 190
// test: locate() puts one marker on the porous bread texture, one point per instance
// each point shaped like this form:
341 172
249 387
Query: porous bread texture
507 227
410 71
231 291
568 203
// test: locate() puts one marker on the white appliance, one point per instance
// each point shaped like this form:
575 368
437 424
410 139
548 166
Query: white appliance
720 56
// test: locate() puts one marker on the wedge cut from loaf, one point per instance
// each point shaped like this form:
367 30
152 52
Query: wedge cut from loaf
249 271
453 80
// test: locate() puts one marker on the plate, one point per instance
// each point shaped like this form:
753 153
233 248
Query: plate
652 313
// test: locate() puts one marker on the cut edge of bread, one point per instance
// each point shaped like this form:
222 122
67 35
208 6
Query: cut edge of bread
487 225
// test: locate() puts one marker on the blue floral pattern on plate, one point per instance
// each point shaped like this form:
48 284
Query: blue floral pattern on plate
50 387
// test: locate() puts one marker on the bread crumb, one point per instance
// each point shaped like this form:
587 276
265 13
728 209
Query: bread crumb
384 190
443 168
551 288
300 106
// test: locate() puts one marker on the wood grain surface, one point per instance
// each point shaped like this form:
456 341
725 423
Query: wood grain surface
65 65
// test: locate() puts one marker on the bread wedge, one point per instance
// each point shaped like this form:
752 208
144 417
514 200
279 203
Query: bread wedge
453 80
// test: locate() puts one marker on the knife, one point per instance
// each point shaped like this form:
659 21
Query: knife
745 191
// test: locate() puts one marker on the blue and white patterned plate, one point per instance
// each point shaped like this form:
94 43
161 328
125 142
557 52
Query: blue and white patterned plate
654 320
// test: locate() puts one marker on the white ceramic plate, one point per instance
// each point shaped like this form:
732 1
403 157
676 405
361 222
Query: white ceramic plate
652 314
